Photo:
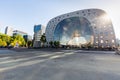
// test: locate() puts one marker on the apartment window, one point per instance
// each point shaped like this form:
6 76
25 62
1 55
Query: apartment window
82 11
77 13
95 27
67 15
113 41
101 32
101 36
94 24
106 41
88 10
111 32
94 13
101 41
96 42
88 13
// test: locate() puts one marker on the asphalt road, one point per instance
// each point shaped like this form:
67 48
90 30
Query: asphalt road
59 65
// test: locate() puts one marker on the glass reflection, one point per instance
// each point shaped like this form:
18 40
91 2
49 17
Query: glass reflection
74 31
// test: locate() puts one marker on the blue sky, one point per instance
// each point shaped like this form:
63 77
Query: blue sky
24 14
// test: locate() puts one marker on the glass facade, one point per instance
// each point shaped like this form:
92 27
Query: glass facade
73 31
37 28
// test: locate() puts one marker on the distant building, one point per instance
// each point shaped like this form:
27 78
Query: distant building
9 31
17 32
83 27
38 31
118 42
27 38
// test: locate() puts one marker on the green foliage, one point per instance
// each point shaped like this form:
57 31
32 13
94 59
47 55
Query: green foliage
43 39
18 39
1 42
6 40
29 43
51 43
56 44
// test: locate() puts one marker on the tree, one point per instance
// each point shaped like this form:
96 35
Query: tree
1 42
43 39
5 38
56 44
51 43
17 39
29 44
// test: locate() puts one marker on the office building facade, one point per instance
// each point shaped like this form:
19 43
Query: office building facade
18 32
38 31
89 26
9 31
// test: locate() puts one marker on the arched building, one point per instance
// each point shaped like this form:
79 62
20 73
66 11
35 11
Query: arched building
82 27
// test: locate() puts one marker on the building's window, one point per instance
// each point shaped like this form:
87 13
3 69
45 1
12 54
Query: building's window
94 13
82 11
77 13
96 33
84 14
96 46
94 24
88 10
102 46
113 41
88 13
101 41
96 42
111 32
106 41
101 32
62 33
106 33
101 36
67 15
